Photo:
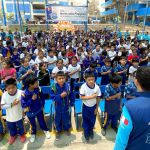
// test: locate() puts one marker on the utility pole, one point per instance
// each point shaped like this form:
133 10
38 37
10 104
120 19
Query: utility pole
4 15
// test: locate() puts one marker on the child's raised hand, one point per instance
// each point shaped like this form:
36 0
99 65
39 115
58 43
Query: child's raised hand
94 95
64 94
30 71
16 102
34 97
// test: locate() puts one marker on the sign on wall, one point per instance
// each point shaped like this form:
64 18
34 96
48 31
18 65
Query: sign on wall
66 13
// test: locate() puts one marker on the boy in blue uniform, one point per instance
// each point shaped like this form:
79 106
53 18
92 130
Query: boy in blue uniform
90 94
63 98
33 102
91 69
113 102
105 71
130 91
121 69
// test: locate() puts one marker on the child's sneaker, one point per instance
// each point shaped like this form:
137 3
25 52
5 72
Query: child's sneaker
103 132
12 140
47 134
23 138
58 136
32 138
92 134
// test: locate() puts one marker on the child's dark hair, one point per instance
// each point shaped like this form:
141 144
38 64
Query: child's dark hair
115 78
59 60
60 74
10 81
8 62
41 64
63 53
107 60
89 74
30 80
104 53
143 77
123 57
92 65
74 57
50 51
135 60
23 60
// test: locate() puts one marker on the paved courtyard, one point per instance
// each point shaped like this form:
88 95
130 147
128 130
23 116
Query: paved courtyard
74 142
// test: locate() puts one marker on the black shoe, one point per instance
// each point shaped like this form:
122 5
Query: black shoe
91 134
103 132
115 129
1 136
58 136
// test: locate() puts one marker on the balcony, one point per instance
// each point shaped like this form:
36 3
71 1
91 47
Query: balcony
143 11
134 7
109 12
39 12
107 4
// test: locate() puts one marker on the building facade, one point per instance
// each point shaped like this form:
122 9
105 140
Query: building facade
128 11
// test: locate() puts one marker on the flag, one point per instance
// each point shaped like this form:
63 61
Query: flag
124 120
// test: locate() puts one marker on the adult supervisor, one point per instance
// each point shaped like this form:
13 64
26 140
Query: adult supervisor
134 129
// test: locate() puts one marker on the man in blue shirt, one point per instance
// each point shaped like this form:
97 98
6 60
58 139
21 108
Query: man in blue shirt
134 129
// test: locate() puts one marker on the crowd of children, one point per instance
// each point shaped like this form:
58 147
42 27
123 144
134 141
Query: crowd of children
35 58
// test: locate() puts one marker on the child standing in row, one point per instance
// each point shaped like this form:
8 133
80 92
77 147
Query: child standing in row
1 124
113 102
90 94
33 102
11 101
74 71
63 98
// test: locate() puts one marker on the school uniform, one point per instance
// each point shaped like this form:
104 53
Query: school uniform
62 106
14 118
89 107
56 69
105 78
75 77
120 68
34 108
131 90
112 107
21 72
7 52
87 61
43 78
1 125
100 61
16 60
51 60
95 72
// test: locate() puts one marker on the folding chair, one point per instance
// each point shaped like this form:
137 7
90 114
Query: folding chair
102 104
98 81
76 88
48 103
77 111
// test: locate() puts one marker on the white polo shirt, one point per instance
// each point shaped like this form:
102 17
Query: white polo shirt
13 114
85 90
73 69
